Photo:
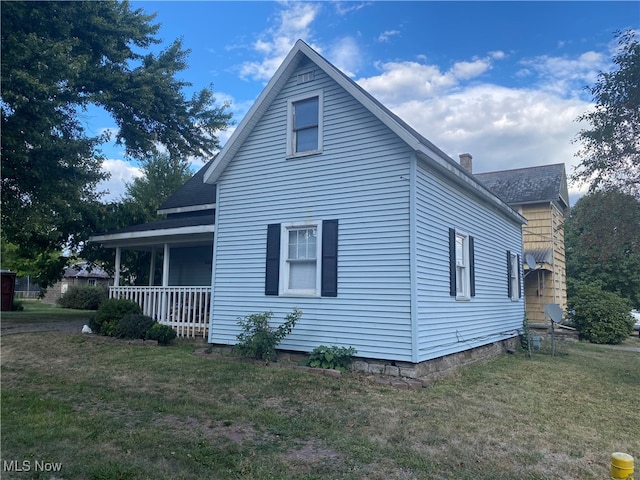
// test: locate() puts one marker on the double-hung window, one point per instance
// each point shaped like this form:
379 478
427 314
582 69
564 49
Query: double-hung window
304 132
513 270
301 260
461 265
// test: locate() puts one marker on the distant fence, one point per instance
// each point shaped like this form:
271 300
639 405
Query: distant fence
26 294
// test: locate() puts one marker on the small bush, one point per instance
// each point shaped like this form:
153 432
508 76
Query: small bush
17 306
133 325
163 334
109 314
600 316
258 339
83 298
336 358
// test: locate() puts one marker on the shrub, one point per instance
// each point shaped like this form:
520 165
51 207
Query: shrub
258 339
133 325
109 314
83 298
163 334
600 316
336 358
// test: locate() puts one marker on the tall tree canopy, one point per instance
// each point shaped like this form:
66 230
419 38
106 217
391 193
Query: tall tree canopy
57 59
602 239
610 153
162 176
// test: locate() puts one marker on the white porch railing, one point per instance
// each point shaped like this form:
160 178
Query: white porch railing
185 309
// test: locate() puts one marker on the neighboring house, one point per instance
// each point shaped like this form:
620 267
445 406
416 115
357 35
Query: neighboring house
78 275
541 195
327 201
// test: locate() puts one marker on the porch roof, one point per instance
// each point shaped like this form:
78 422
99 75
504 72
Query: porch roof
180 230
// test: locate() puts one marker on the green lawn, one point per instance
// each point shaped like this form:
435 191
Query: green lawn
104 409
36 311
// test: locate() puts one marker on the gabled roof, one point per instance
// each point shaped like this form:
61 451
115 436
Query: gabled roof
424 149
194 195
521 186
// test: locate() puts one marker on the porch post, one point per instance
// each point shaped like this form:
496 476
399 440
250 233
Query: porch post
116 280
152 268
165 266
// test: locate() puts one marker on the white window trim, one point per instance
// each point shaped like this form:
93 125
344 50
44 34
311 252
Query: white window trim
466 281
291 151
284 255
514 277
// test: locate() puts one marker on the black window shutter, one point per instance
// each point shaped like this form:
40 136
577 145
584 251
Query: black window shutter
452 262
519 278
472 266
509 292
272 269
329 273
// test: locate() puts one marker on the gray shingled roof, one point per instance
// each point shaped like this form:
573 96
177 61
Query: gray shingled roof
546 183
194 192
82 270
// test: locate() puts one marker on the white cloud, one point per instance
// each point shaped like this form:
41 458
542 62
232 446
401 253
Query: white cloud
385 36
406 81
467 70
503 128
294 22
346 55
564 75
122 172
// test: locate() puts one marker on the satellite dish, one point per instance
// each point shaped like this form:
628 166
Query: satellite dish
530 261
554 312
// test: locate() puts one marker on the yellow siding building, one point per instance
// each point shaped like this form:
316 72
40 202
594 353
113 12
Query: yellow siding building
541 195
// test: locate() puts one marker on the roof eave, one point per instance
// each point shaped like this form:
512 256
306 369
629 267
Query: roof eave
150 236
187 209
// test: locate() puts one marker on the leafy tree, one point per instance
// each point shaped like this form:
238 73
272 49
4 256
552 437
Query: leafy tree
58 58
602 239
610 150
162 175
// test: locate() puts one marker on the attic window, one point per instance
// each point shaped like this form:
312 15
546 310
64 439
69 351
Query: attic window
304 124
305 77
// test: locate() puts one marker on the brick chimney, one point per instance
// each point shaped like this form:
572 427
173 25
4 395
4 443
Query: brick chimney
465 162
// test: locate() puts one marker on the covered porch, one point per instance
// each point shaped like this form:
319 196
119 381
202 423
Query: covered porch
180 296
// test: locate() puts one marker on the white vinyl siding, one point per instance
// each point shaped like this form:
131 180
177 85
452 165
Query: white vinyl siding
445 325
360 179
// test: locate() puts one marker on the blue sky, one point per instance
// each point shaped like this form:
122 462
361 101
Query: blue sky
502 80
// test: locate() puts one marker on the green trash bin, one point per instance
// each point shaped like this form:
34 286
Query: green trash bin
8 284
